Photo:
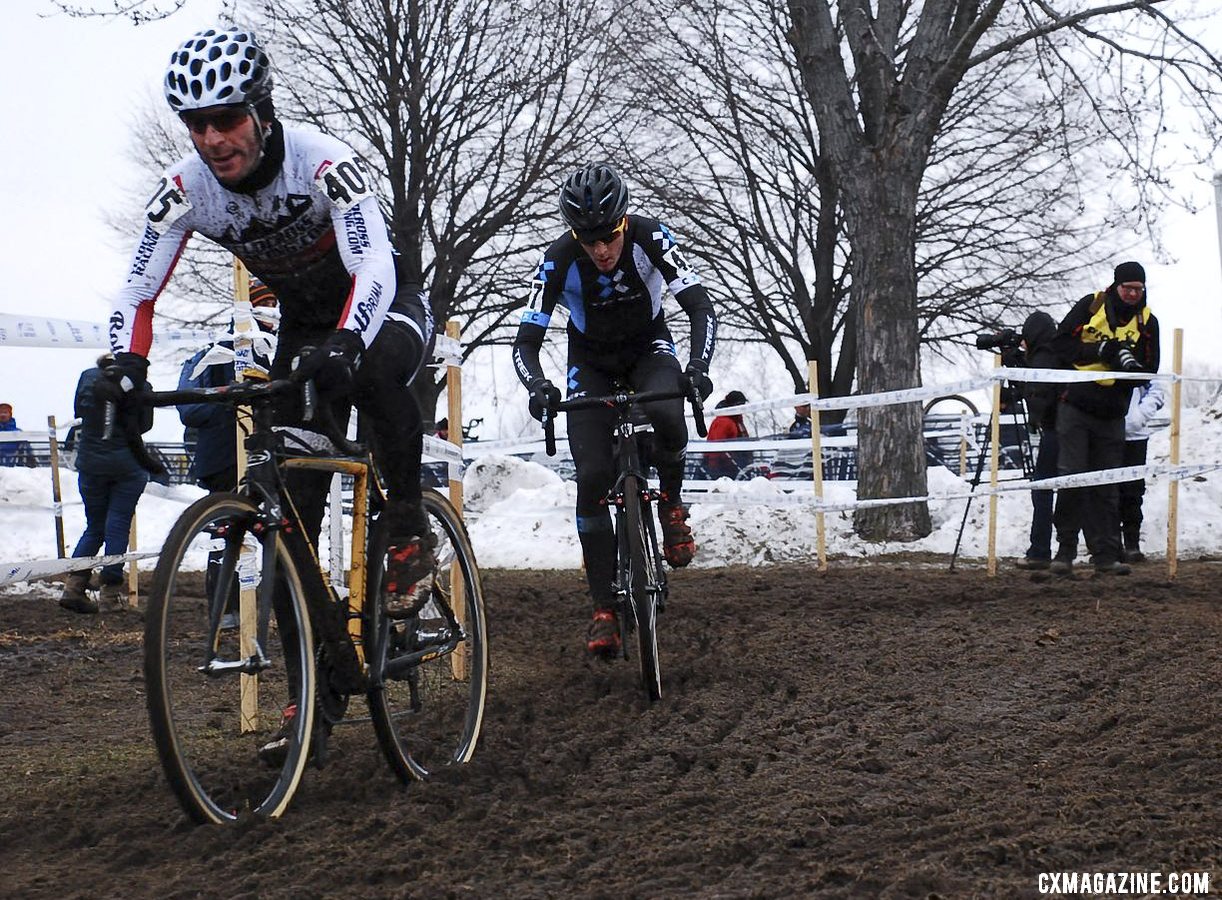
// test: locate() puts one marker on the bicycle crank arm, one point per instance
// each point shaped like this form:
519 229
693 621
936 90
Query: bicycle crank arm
441 643
252 665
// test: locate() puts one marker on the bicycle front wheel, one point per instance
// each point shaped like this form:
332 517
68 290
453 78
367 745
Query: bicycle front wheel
644 585
429 670
212 716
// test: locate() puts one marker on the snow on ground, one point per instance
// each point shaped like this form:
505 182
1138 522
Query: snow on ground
521 514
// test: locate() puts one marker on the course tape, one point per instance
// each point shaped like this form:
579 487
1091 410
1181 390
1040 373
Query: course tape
1082 479
931 392
11 573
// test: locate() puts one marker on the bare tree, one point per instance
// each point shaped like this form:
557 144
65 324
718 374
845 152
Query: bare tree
138 11
468 110
881 78
999 223
742 174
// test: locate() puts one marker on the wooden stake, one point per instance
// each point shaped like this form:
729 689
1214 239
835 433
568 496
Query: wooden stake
1173 489
460 663
57 499
133 569
243 327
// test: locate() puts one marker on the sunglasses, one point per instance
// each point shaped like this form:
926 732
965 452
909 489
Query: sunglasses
605 238
223 120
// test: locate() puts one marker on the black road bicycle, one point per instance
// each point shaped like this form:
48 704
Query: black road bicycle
640 586
216 696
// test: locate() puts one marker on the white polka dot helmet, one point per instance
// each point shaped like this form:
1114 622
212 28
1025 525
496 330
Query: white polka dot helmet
218 67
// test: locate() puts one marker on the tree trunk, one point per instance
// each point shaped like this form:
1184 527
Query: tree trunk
890 447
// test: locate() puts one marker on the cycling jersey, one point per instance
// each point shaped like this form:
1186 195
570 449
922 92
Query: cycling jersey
314 233
616 311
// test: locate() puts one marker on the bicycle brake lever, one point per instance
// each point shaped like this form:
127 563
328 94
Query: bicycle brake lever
549 431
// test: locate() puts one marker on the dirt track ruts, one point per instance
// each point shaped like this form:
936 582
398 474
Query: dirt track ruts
889 730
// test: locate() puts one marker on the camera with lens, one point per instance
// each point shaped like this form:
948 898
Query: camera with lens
1005 339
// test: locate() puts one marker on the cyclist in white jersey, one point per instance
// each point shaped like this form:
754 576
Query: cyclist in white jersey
299 209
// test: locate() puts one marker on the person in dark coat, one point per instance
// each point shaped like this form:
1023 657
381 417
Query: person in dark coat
1112 330
111 475
1038 333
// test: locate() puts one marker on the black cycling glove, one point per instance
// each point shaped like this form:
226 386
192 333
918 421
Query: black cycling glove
128 373
543 395
698 374
333 364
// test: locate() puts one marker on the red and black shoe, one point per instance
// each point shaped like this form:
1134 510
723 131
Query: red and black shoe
678 546
602 638
276 750
407 563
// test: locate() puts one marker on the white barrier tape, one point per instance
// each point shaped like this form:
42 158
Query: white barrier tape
448 350
1104 476
1083 479
11 573
1066 376
888 398
40 331
436 448
857 401
36 436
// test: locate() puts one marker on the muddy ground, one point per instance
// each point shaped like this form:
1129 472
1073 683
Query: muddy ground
891 730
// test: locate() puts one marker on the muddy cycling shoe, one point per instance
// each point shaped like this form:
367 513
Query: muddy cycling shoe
406 564
276 750
678 546
602 637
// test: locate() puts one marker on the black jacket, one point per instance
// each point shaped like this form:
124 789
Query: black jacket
1106 401
95 454
1039 332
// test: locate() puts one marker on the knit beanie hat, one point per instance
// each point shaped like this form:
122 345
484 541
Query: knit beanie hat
1129 271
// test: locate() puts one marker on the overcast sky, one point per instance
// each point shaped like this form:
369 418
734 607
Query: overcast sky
71 88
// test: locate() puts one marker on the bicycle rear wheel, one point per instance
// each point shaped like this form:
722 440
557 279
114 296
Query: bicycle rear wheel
644 586
207 740
429 672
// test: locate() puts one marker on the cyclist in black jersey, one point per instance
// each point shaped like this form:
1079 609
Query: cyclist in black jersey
609 271
298 207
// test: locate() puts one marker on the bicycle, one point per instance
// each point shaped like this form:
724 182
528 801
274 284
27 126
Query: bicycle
216 696
640 589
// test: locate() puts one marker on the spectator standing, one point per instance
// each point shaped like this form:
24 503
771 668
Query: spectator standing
111 475
1109 330
725 463
800 427
12 453
212 427
1148 398
443 429
1038 334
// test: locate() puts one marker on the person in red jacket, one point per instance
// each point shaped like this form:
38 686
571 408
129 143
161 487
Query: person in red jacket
724 463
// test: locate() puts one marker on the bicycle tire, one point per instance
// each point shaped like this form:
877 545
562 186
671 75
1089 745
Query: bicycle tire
211 763
642 588
425 714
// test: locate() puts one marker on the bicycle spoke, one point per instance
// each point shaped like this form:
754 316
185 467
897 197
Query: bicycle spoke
430 670
209 720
